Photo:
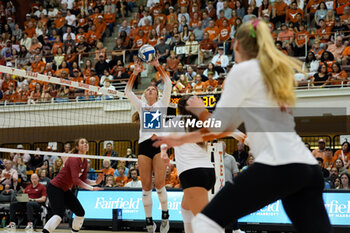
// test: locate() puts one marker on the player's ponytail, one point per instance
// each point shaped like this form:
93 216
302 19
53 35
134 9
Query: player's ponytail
278 70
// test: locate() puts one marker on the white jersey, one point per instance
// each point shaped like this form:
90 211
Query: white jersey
271 133
142 106
190 155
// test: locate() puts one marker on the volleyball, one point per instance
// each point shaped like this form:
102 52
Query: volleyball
147 53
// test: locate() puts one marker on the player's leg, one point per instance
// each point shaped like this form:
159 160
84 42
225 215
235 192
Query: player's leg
145 169
159 169
306 209
253 189
56 199
187 214
75 206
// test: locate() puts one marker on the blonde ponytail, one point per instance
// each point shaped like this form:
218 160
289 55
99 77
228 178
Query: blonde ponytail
278 70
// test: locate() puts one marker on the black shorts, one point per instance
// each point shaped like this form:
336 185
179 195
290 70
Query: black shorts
146 148
198 177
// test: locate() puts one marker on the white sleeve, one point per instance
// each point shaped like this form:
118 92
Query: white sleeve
166 92
224 61
215 58
135 101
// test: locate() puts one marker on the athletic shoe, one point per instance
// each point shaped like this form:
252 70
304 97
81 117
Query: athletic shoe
164 226
29 227
151 229
11 227
238 231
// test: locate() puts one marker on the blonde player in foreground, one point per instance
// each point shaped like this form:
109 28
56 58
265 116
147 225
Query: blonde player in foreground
284 168
149 157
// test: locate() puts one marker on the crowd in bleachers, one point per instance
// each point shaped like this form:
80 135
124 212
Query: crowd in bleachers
56 35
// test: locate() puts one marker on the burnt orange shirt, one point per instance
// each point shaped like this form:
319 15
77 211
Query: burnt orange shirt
224 33
300 37
329 163
312 5
109 18
334 78
38 66
213 83
291 15
281 8
139 41
30 32
121 181
60 22
213 32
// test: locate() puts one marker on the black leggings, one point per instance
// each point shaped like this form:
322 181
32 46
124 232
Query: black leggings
61 200
299 186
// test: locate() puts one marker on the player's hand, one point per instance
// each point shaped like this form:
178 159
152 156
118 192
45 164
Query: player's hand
195 105
138 67
164 156
97 189
155 61
171 140
99 179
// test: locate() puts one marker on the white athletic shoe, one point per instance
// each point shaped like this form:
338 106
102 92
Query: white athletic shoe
238 231
164 226
11 227
29 227
151 229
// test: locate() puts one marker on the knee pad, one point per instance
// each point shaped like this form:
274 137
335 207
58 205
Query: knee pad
147 197
77 223
162 194
187 215
53 222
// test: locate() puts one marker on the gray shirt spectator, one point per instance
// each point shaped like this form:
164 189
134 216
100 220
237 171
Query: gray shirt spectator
231 168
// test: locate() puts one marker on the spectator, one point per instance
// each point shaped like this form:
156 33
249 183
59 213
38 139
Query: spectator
207 47
279 10
320 80
35 161
135 182
9 176
58 164
329 159
334 173
311 64
110 182
130 155
240 155
172 62
24 156
220 61
337 182
250 15
346 56
250 161
301 37
101 65
50 158
171 179
198 85
43 179
106 76
320 152
323 33
191 49
126 169
292 12
337 49
328 59
212 30
180 71
286 37
339 164
211 68
211 84
240 10
344 154
317 50
21 169
338 76
163 50
91 172
344 181
121 179
182 85
111 153
107 169
321 13
190 73
37 196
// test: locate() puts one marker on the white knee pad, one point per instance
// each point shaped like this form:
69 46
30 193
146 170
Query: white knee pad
201 223
187 216
147 202
77 223
163 198
53 223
